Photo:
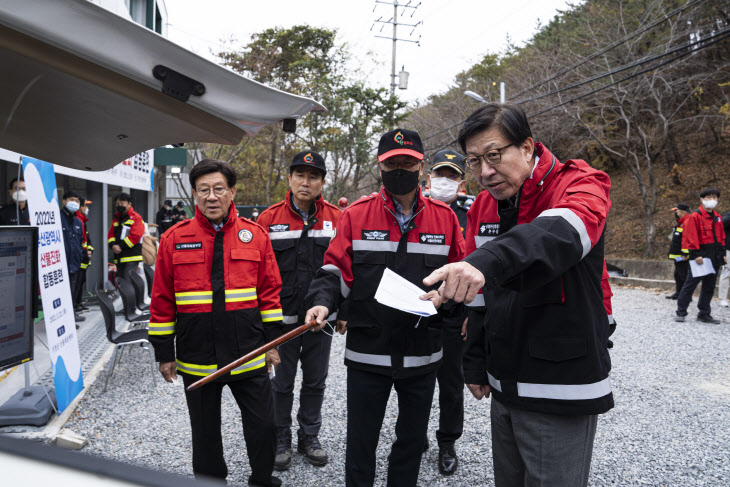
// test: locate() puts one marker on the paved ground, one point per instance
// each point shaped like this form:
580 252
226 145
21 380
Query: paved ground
670 426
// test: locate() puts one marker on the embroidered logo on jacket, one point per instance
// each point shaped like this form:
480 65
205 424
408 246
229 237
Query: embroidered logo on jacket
326 225
245 236
378 235
189 245
280 227
488 229
432 238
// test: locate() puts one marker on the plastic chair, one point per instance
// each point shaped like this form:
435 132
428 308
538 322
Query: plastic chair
138 284
121 339
149 274
126 290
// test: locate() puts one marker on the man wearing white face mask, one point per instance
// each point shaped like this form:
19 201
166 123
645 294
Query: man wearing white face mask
10 212
704 237
446 180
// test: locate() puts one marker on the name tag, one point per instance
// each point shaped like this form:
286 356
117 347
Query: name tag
432 238
488 229
189 245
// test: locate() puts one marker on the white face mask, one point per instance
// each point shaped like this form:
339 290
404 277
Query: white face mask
72 206
20 195
709 204
86 211
444 189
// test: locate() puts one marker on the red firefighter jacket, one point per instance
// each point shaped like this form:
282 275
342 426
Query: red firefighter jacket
127 231
215 296
704 236
369 240
86 244
299 247
543 343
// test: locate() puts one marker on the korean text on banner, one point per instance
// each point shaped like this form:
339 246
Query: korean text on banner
53 278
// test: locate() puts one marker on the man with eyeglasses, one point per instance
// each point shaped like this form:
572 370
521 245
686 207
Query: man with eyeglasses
397 229
301 228
541 351
445 181
215 298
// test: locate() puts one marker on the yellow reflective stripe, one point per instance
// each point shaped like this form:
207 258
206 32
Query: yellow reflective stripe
84 245
134 258
90 248
129 222
674 256
84 266
161 328
272 315
194 297
194 369
686 251
237 295
680 229
111 239
116 224
128 242
254 364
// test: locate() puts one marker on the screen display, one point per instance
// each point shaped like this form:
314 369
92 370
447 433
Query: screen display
18 291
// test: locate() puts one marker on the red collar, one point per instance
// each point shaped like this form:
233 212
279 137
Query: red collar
387 199
203 221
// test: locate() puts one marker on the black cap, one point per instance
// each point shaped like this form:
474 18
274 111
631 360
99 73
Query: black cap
167 202
309 158
400 142
681 206
451 159
181 203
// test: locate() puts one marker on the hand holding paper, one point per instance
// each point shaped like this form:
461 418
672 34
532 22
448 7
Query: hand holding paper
399 293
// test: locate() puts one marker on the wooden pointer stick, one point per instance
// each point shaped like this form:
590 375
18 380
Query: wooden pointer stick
252 355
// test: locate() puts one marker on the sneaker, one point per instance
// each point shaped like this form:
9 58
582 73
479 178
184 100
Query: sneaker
448 460
724 303
274 482
309 445
679 319
708 319
283 450
673 296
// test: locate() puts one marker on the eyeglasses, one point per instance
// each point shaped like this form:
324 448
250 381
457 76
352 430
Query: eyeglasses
218 191
390 165
491 157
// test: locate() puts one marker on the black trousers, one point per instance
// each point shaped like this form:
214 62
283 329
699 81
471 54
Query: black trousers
681 269
451 388
685 295
124 268
367 398
313 350
79 286
253 396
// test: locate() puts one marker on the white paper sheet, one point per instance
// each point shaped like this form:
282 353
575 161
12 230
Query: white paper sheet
396 292
125 232
701 270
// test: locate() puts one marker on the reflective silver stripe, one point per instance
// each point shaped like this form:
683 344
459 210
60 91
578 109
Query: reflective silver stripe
477 303
283 235
419 248
290 320
611 321
271 315
321 233
565 392
494 382
375 245
156 328
235 295
368 358
333 269
195 297
575 222
421 361
194 370
249 365
479 241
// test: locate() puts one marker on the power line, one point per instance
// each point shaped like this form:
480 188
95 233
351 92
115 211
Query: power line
611 46
633 75
641 61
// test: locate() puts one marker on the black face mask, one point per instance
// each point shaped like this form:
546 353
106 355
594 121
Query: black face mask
121 210
676 216
400 181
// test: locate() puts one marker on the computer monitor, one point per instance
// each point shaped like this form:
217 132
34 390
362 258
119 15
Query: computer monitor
18 293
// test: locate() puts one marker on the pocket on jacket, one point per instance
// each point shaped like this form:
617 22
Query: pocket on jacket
244 268
557 349
286 253
188 267
367 270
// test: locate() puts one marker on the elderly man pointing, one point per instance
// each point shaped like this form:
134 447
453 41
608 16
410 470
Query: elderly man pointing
541 350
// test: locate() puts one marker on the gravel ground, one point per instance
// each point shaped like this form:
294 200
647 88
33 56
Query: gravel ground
670 426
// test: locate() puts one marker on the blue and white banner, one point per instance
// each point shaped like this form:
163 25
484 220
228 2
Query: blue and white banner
53 279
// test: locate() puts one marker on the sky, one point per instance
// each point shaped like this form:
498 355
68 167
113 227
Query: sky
454 34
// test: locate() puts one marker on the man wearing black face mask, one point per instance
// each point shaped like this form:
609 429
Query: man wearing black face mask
125 235
679 255
398 229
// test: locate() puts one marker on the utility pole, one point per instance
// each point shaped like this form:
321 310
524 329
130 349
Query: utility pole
395 39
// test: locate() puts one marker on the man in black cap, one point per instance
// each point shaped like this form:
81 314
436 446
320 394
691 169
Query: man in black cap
178 212
164 217
446 180
679 255
300 229
400 230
